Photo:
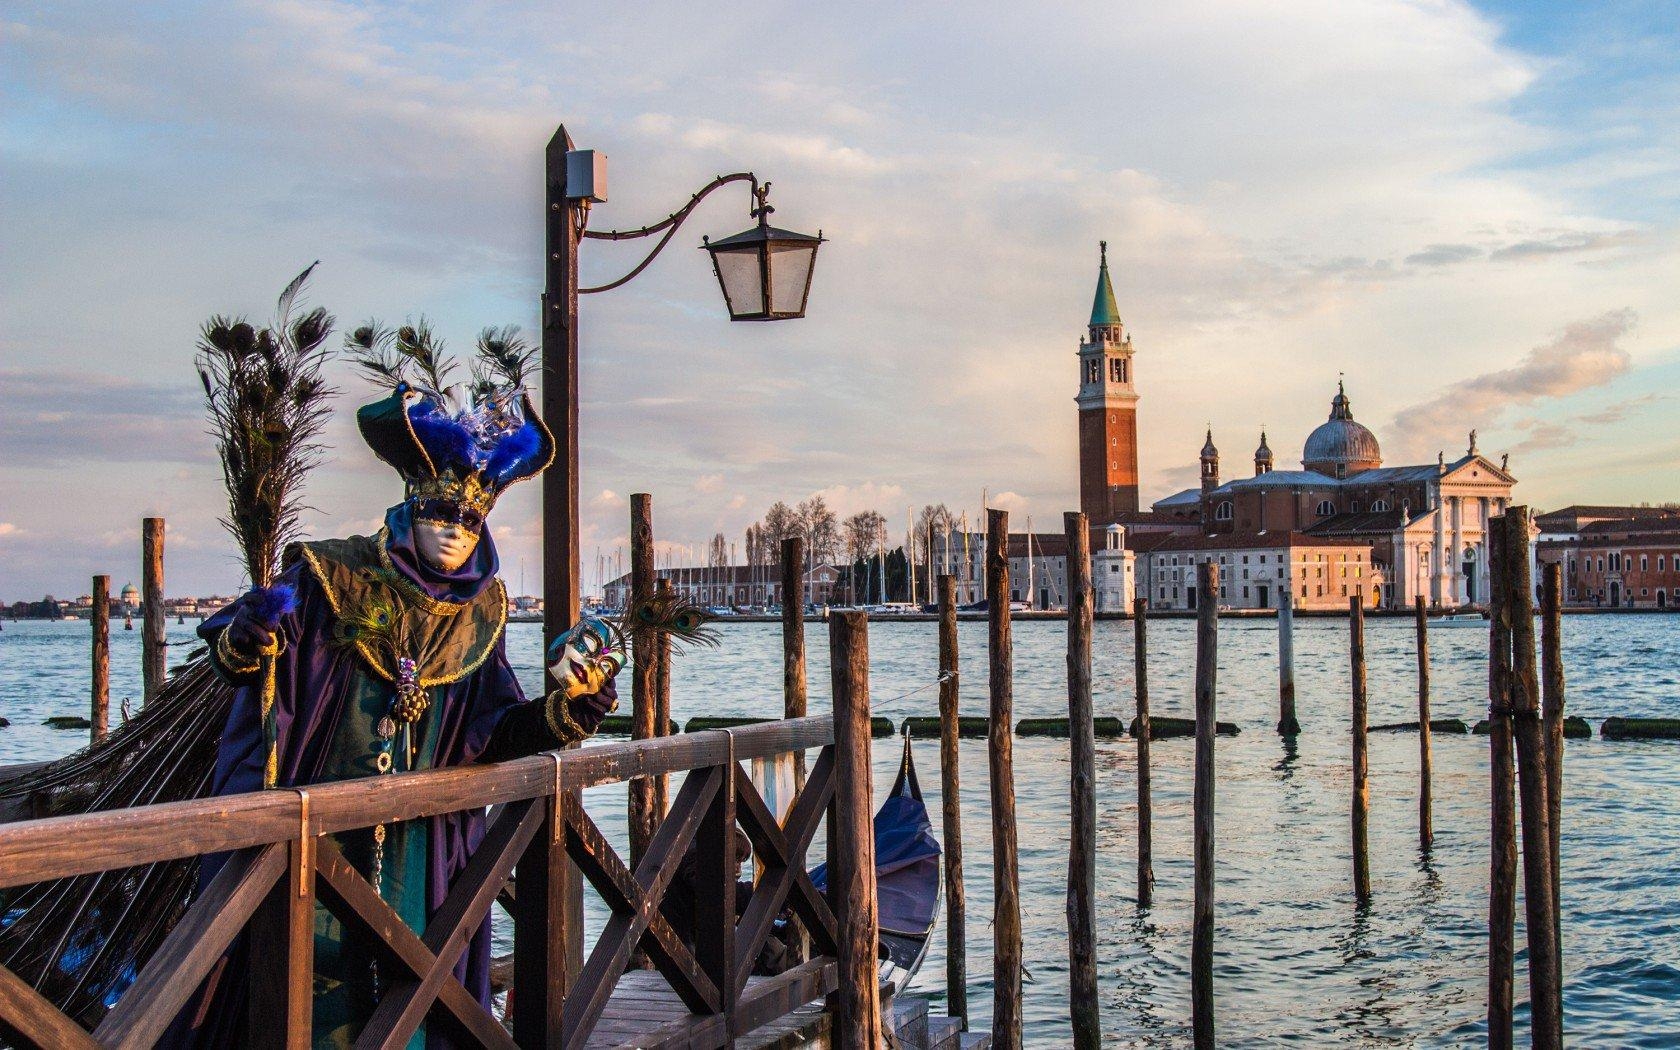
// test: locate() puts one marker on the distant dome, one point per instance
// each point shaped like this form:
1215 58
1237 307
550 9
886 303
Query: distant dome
130 593
1340 446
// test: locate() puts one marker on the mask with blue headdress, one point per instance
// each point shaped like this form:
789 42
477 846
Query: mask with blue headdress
457 446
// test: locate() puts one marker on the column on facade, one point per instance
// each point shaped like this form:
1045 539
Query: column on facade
1455 575
1437 574
1484 568
1398 585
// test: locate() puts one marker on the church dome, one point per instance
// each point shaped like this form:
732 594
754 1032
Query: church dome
1340 446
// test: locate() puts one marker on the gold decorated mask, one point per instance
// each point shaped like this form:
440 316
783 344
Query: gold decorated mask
586 657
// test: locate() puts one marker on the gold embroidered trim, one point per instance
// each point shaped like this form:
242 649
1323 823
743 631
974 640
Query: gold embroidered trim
235 661
409 590
372 660
557 709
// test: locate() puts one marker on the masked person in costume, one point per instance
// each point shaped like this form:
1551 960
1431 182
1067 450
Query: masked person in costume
388 655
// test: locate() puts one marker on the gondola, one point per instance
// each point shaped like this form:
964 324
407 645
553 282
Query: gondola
907 876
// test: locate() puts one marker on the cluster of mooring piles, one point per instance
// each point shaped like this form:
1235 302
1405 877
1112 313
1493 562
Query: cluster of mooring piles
1525 718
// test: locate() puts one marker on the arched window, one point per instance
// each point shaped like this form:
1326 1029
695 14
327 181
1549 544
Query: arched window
1379 505
1223 511
1326 508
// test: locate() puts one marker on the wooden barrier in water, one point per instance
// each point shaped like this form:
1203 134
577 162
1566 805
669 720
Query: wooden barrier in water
1006 878
1426 762
644 676
793 638
1202 803
100 712
1144 731
1288 724
1502 837
1082 764
1552 685
950 793
1545 987
1361 753
154 628
662 712
283 863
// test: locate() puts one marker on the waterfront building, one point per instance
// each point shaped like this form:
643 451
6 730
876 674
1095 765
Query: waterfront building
1631 562
1256 571
1424 527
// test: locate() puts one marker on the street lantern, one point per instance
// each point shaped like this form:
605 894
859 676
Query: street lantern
765 273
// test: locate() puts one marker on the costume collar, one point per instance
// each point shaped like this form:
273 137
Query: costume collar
456 588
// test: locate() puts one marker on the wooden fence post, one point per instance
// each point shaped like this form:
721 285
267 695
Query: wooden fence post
1551 670
1082 754
101 623
1361 755
1426 761
1006 877
1545 990
1207 666
793 641
857 1021
644 679
950 793
1140 665
540 941
1287 725
154 629
1502 876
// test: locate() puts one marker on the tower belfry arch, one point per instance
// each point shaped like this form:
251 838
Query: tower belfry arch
1108 458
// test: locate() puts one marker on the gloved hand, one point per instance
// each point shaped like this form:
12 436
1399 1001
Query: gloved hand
252 631
588 710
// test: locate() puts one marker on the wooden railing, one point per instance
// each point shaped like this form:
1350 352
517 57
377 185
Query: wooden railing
282 866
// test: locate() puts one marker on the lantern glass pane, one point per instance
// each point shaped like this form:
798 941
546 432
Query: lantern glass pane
790 274
743 286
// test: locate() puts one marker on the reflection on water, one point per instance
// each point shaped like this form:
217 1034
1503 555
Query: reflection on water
1296 961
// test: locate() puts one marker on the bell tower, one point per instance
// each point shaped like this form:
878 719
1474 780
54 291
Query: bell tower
1108 460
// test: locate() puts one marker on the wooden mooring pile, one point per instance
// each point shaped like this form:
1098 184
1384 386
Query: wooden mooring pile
541 841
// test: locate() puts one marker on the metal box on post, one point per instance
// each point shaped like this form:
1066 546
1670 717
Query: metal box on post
586 175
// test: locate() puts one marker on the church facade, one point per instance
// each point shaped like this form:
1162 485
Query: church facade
1424 527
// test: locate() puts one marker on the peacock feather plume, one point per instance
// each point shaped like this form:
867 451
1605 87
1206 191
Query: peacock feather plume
268 403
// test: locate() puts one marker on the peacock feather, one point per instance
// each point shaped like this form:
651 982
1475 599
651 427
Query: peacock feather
670 614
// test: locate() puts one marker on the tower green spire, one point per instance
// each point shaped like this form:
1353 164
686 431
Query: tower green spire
1103 308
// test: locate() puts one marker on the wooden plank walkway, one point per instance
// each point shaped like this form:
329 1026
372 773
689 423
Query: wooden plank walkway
645 1013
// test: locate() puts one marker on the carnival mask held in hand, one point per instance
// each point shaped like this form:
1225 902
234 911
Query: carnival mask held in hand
593 651
586 657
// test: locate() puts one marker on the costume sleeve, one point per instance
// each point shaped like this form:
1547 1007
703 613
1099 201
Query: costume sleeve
211 630
526 727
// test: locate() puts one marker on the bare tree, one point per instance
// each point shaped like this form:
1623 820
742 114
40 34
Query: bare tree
821 528
862 532
780 522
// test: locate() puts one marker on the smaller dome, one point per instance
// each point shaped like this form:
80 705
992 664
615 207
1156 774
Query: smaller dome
130 591
1207 448
1264 452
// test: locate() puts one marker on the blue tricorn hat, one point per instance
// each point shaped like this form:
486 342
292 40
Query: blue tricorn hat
459 444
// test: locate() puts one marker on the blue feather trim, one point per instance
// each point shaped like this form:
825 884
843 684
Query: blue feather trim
517 455
272 603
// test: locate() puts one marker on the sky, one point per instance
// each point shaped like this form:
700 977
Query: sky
1469 210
